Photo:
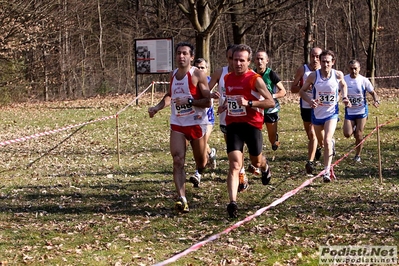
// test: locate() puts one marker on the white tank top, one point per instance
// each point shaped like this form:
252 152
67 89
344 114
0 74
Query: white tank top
185 115
325 92
306 73
222 92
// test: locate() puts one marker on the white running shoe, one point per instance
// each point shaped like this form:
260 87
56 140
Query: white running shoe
195 179
326 177
212 159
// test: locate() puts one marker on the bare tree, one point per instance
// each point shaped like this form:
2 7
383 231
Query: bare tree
56 49
374 6
310 39
203 16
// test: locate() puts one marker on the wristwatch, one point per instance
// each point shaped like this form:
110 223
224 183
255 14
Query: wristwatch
190 101
250 103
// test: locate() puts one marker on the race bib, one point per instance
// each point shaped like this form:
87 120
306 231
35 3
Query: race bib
326 98
356 100
233 108
183 110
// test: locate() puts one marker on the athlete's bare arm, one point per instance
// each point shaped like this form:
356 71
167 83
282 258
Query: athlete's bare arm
308 83
202 84
281 90
296 84
344 88
267 102
166 100
215 76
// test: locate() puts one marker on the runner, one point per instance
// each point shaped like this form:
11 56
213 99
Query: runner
302 73
327 83
356 116
246 98
188 97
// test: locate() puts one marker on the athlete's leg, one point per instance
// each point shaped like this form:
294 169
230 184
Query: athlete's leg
329 129
272 132
348 127
207 136
178 152
235 165
360 124
199 153
259 161
312 140
319 131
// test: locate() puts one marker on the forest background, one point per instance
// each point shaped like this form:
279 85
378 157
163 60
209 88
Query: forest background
71 49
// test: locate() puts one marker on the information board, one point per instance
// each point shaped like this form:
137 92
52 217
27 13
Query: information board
154 56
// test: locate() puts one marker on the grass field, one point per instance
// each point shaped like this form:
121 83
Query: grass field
64 200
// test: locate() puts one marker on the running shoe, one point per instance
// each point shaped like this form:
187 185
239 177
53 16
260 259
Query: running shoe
195 179
181 205
326 177
232 209
309 168
243 183
266 176
212 159
318 153
276 144
253 170
357 159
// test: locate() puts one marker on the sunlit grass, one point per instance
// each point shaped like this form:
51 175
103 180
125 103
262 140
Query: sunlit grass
65 200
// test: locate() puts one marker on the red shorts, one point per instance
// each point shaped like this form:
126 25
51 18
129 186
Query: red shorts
190 132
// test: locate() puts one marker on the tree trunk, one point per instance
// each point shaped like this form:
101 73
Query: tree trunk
101 49
236 24
309 30
373 32
202 46
199 14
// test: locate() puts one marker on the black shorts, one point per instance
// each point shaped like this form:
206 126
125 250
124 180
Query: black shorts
271 118
240 133
306 114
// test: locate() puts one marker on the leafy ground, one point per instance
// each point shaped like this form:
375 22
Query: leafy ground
64 200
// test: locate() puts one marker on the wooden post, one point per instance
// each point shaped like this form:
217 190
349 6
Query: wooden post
117 140
379 149
152 93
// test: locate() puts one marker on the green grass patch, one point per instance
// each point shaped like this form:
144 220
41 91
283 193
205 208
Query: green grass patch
64 200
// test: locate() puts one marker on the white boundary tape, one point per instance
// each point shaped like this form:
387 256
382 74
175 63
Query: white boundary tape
7 142
46 133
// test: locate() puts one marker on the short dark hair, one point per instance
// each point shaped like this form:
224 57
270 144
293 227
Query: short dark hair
200 60
328 52
243 47
189 45
229 47
353 62
263 51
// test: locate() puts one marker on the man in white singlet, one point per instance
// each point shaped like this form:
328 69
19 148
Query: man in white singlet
301 75
356 116
327 83
203 65
188 97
